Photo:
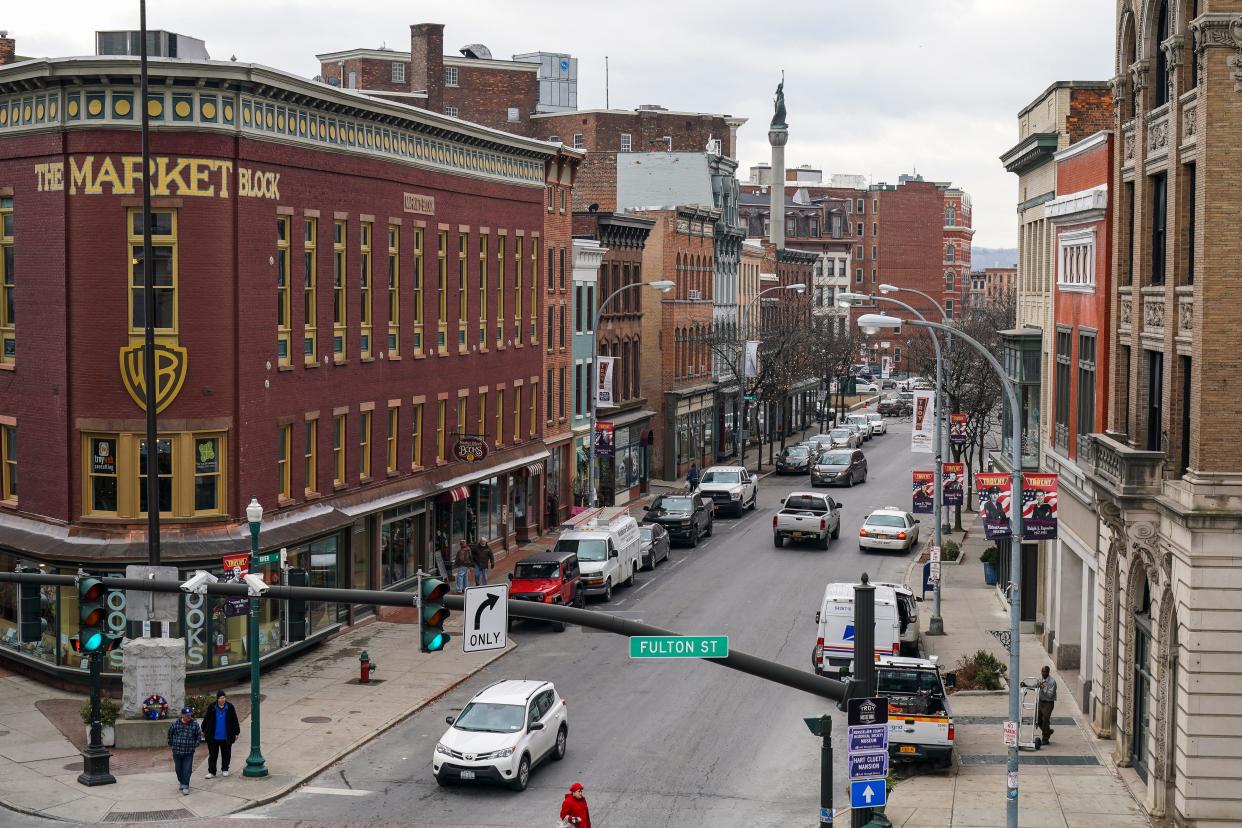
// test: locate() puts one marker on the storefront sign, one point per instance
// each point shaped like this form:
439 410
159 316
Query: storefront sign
952 475
195 630
995 491
957 430
103 456
924 492
604 440
470 449
179 177
424 205
924 422
235 566
171 361
1039 506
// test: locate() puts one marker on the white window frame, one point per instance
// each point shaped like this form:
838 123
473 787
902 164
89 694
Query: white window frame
627 142
450 111
578 142
451 76
1076 260
398 72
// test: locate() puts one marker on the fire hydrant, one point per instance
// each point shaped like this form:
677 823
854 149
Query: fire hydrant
367 666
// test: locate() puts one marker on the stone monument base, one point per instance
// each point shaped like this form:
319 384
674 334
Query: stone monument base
143 733
153 667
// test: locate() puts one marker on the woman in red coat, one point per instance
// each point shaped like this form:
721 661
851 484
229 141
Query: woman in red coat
574 808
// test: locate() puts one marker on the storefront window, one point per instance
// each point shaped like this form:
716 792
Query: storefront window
360 560
402 535
45 648
629 456
320 559
486 497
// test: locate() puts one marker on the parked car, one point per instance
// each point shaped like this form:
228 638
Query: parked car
889 528
833 654
878 426
864 424
687 516
550 577
888 384
845 438
508 728
730 487
840 467
656 546
864 387
806 516
863 432
793 460
823 441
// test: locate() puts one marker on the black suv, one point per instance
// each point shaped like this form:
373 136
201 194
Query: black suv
893 407
687 516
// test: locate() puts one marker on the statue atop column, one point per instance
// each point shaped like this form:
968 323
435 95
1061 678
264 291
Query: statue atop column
778 117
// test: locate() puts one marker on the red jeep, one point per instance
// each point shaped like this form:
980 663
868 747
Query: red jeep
549 577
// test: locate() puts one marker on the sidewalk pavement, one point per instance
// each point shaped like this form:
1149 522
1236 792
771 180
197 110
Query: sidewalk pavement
1069 783
312 716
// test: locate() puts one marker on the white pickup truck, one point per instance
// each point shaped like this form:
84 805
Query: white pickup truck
807 516
920 720
729 487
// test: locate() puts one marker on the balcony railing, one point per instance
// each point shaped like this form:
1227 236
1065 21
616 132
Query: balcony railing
1120 469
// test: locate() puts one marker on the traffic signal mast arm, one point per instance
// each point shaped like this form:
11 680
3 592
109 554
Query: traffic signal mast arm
762 668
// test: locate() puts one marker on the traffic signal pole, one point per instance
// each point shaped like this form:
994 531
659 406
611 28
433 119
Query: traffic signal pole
96 759
736 660
864 662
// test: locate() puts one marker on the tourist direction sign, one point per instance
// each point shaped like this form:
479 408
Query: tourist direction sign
868 765
868 793
867 738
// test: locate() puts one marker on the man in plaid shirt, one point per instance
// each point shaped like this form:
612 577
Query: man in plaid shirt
183 737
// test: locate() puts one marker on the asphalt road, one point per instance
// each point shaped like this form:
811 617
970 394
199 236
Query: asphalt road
669 743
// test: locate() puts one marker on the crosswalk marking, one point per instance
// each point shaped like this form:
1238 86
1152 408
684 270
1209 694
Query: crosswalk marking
310 789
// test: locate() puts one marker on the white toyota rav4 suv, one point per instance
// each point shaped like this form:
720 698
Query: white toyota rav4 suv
501 733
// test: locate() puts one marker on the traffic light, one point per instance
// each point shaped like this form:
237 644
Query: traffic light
432 615
32 605
297 607
95 602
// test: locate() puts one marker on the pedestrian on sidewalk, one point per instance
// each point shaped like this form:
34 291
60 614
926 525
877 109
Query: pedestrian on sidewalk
692 477
574 809
183 737
483 561
221 729
1047 700
463 561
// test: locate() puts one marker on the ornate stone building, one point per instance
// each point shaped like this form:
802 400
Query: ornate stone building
1167 475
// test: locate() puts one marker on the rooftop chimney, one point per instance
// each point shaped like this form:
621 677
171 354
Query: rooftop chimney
8 49
427 63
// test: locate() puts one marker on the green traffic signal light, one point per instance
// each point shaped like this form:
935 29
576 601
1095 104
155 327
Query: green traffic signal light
91 615
432 615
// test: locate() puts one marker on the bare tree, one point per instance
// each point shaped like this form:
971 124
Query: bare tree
833 351
971 386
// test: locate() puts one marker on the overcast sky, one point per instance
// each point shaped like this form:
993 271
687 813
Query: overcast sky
876 88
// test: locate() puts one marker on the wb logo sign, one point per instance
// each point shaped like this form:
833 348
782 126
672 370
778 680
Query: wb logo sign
170 369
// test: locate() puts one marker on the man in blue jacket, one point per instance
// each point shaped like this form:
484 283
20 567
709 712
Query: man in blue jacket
220 728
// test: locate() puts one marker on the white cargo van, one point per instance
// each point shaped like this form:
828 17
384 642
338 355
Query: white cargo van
608 546
834 644
907 617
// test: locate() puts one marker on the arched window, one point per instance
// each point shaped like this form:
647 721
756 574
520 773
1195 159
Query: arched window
948 252
1192 11
1129 51
1161 79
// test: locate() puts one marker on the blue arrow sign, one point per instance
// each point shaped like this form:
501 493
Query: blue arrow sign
849 633
868 765
868 793
868 738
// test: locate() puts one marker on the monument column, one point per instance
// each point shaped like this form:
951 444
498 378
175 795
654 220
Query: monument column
778 136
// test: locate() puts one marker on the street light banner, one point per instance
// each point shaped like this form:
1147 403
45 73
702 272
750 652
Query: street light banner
604 440
957 430
1039 506
995 490
924 422
750 359
952 475
924 492
603 388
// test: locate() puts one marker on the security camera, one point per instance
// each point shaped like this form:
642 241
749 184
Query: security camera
199 582
255 585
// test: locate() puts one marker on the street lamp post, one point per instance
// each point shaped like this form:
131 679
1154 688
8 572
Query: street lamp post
662 285
255 765
935 626
744 332
873 323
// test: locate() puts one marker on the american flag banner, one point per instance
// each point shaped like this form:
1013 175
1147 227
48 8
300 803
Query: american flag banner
995 491
1039 506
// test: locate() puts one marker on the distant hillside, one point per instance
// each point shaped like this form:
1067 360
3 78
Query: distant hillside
985 257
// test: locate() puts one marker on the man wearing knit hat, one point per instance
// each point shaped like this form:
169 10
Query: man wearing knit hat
220 728
574 809
184 735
